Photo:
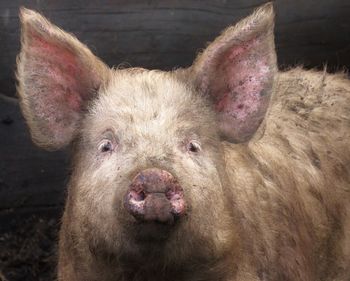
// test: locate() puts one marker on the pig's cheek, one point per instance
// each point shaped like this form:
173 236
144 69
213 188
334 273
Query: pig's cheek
199 176
99 185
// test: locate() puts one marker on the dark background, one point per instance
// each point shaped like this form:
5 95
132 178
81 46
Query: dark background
154 34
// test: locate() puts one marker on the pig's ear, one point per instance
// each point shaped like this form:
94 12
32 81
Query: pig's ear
237 70
56 75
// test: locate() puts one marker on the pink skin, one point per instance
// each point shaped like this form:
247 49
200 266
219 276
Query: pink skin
245 77
62 68
155 195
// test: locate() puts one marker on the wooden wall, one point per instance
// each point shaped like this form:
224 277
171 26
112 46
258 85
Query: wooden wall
154 34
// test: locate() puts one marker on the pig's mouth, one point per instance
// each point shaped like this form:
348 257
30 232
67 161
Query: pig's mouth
155 196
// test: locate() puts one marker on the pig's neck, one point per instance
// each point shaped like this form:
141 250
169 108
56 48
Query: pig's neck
221 269
100 267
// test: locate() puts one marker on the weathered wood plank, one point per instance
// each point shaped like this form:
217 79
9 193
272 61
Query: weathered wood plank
166 34
29 176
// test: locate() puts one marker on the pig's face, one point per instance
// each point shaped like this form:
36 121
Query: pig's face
148 171
146 120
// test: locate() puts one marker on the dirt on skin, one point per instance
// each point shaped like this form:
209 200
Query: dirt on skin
28 247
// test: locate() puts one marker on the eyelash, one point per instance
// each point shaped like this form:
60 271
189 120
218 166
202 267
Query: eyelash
105 146
194 146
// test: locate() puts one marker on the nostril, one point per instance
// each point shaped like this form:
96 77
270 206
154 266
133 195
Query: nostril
170 195
137 196
173 195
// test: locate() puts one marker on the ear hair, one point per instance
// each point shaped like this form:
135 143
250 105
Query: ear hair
56 75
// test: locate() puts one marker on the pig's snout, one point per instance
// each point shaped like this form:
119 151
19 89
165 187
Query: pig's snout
155 196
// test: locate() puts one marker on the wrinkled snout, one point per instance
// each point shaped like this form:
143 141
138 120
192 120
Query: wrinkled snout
155 196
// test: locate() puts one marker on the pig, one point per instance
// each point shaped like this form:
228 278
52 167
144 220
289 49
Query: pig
226 170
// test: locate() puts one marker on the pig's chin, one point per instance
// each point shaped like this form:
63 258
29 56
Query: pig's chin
146 239
153 232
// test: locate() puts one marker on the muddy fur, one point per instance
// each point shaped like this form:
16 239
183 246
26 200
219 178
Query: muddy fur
267 194
292 183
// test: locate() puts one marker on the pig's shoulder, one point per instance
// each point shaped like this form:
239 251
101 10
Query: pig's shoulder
311 104
297 88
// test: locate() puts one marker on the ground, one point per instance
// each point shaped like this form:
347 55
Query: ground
28 245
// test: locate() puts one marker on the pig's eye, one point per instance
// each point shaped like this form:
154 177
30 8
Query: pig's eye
105 146
194 146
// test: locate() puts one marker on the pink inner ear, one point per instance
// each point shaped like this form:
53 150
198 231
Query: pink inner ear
63 72
243 75
56 85
238 85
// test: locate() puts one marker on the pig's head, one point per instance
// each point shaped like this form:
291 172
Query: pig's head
148 170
